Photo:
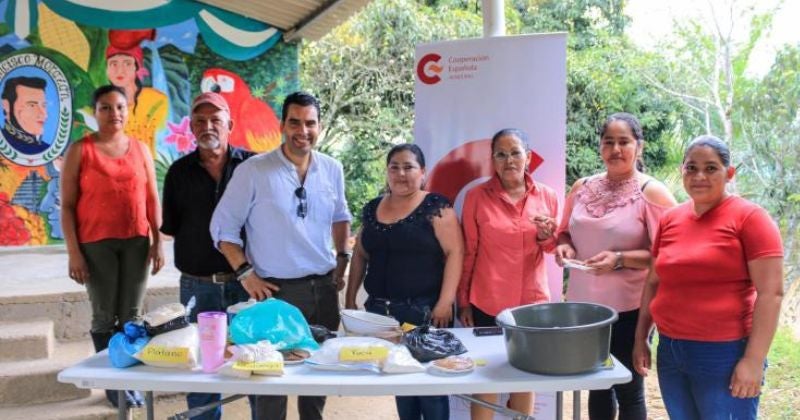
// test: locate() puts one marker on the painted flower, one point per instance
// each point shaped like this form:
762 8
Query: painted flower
12 228
34 225
181 136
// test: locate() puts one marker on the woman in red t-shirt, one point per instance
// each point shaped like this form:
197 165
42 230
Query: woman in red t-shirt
109 212
714 294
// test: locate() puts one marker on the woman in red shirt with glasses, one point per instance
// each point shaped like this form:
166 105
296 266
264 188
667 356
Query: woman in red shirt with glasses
508 225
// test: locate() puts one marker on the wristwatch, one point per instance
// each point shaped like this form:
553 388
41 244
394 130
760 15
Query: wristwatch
344 254
618 265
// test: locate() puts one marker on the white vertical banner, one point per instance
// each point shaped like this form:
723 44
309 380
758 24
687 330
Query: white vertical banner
466 91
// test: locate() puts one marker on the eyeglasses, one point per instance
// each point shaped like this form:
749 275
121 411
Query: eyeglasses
302 208
514 155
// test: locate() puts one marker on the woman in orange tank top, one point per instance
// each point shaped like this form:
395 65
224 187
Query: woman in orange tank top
110 217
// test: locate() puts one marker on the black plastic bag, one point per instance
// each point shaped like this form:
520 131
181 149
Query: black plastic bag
426 343
321 333
171 325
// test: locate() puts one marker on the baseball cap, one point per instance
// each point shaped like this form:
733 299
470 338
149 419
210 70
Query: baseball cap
211 98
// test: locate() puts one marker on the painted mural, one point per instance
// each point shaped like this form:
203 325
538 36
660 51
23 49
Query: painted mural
54 53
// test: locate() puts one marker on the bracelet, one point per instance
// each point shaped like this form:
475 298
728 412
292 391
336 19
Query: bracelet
240 278
344 254
243 271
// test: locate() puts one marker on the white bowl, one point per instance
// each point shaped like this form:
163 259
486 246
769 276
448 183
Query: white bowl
362 322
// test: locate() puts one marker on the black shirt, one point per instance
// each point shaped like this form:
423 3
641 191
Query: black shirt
190 196
405 258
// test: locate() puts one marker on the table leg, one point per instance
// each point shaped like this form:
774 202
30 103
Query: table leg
559 405
202 409
576 405
122 405
515 415
148 400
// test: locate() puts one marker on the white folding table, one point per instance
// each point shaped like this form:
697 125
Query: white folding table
495 376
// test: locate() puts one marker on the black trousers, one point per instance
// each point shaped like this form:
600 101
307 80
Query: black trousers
629 396
318 300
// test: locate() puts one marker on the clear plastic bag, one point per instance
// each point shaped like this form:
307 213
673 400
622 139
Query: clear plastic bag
169 317
351 353
123 345
260 359
275 320
427 343
364 353
401 361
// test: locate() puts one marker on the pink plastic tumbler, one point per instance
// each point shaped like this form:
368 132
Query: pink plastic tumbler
213 327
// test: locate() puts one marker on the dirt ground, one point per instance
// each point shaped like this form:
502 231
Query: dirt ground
380 408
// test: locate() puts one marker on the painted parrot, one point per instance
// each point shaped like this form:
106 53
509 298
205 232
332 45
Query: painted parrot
256 128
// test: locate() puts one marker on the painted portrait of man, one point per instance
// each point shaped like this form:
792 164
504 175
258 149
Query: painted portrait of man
25 111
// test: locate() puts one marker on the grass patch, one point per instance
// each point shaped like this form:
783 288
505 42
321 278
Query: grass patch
781 395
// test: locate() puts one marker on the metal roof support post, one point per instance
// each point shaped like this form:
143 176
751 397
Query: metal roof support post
494 18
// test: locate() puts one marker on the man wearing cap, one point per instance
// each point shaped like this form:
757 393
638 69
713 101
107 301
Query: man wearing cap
192 188
292 205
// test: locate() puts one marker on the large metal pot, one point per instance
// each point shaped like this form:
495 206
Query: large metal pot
557 338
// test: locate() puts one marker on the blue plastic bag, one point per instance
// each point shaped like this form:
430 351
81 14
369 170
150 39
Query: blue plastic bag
275 320
125 344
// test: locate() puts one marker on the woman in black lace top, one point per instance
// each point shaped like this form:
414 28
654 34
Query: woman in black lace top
408 255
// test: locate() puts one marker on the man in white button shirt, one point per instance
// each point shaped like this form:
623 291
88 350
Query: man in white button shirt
292 206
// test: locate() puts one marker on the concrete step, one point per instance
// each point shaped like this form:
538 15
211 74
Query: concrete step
26 340
34 285
94 407
34 381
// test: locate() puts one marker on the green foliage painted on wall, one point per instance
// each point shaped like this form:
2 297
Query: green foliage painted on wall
271 76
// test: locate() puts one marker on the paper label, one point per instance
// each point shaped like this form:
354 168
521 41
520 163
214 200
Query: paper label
362 354
259 366
178 355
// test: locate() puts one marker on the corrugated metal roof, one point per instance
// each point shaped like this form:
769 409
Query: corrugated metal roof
308 19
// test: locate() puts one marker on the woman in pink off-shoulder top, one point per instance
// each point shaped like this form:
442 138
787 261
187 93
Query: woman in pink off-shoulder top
608 224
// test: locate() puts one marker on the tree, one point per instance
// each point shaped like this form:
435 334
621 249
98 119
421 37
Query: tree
602 81
604 76
588 22
363 74
707 64
706 70
769 116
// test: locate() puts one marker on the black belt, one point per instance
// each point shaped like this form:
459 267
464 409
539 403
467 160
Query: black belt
299 279
215 278
389 302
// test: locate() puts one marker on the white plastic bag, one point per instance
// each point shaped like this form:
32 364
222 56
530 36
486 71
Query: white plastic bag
174 349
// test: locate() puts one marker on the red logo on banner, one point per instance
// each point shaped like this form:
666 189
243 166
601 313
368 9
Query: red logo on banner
465 163
424 70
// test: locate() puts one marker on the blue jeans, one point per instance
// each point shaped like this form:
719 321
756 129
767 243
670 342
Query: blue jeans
695 376
210 297
412 311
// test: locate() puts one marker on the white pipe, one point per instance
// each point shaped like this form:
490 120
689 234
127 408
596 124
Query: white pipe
494 18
